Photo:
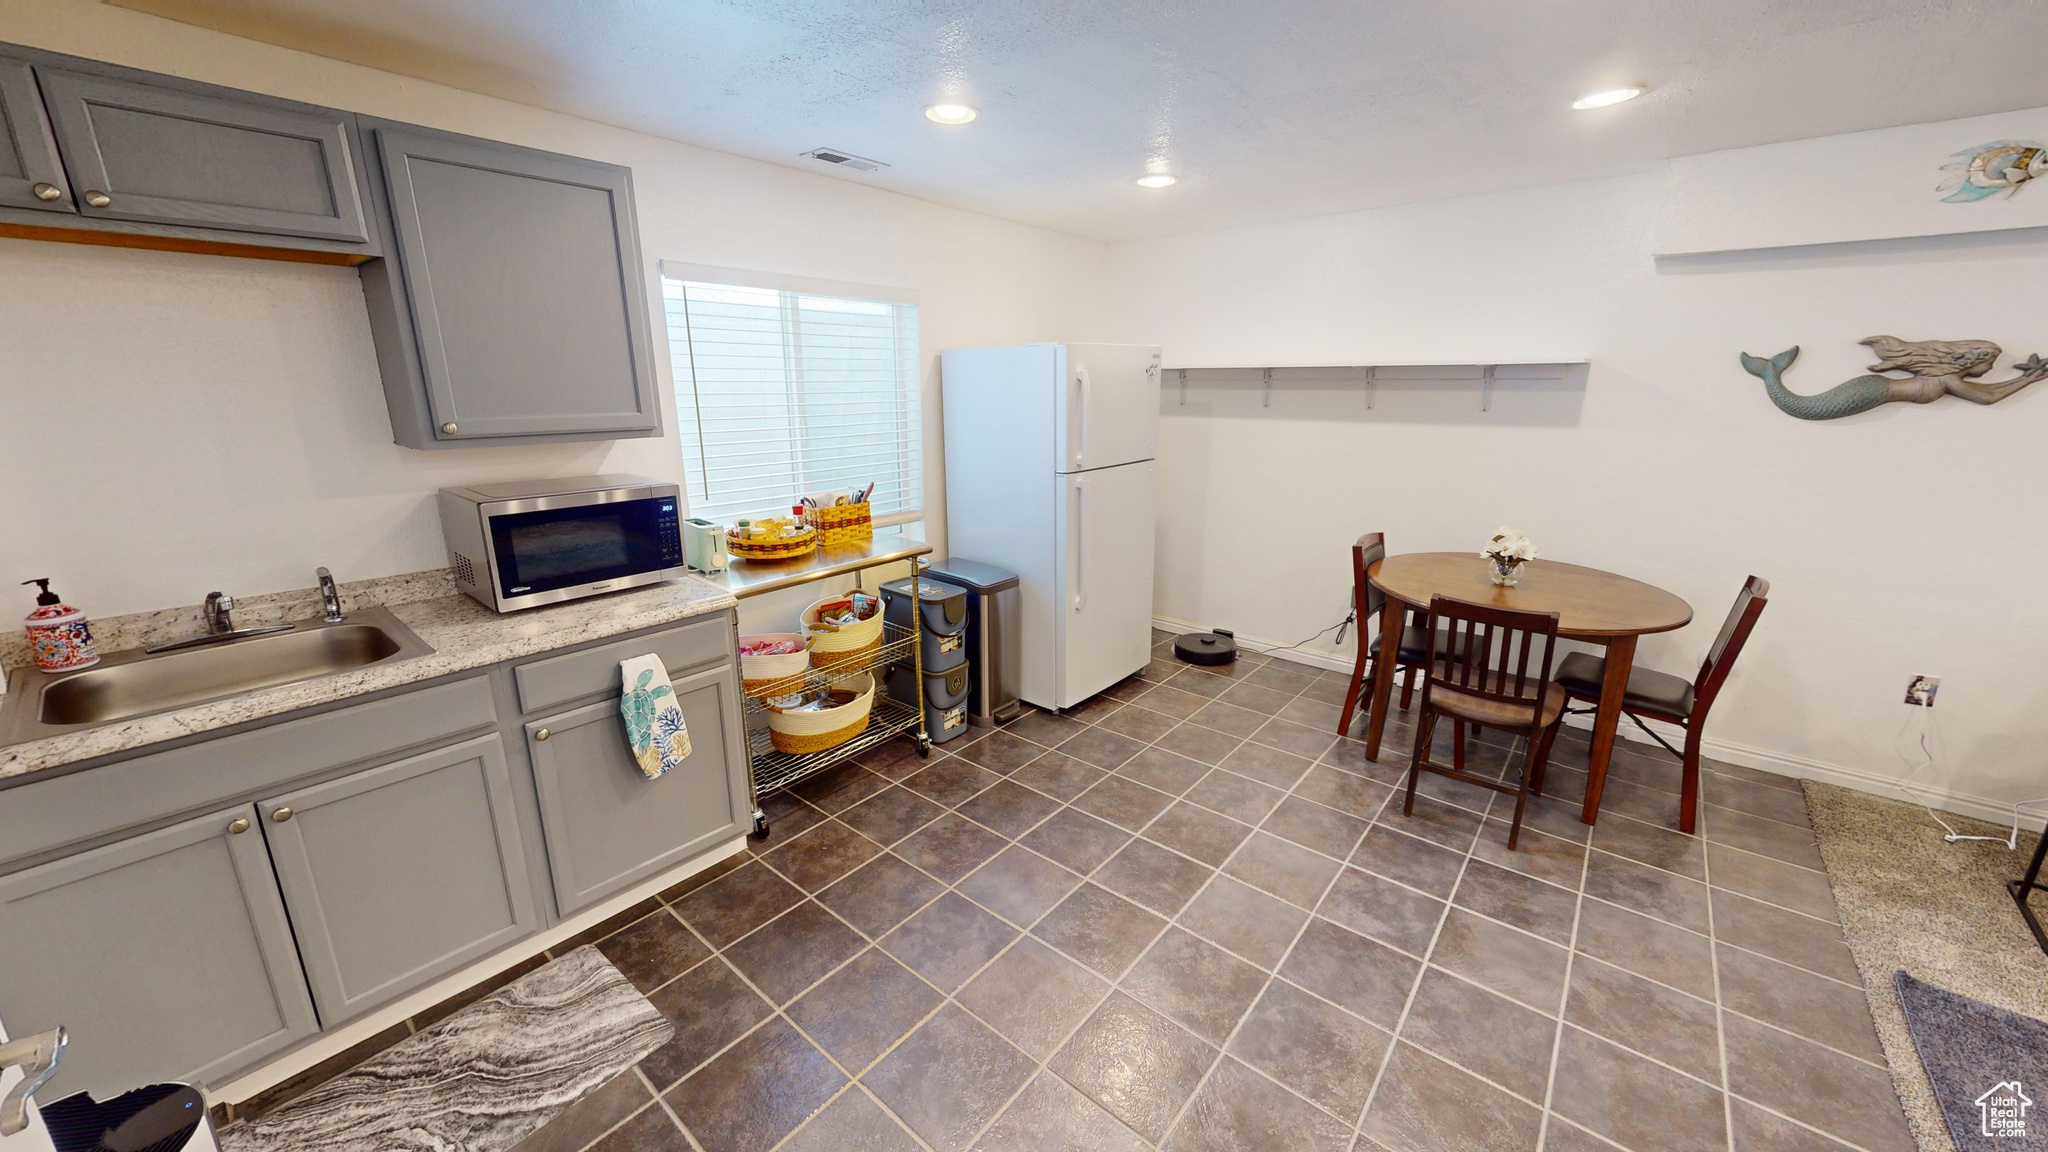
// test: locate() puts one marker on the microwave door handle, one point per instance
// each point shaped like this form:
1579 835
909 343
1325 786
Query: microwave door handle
1081 386
1080 543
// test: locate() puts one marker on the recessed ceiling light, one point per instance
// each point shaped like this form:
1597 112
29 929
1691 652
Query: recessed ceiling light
1607 98
951 113
1155 180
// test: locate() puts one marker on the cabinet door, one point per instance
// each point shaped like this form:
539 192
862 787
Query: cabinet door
168 156
527 298
167 955
401 874
608 826
28 153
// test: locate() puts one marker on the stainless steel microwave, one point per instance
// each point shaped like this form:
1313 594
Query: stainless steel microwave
524 544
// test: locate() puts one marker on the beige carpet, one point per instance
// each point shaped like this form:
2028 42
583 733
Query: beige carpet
1940 911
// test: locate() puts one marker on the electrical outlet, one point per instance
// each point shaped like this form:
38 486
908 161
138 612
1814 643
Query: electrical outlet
1920 690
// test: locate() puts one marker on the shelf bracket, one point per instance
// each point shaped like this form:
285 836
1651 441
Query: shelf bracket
1183 387
1486 388
1371 385
1267 400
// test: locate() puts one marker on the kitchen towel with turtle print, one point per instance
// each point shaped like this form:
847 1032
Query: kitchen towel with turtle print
654 720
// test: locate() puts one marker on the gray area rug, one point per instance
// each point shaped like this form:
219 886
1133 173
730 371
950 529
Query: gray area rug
1908 900
1986 1065
481 1080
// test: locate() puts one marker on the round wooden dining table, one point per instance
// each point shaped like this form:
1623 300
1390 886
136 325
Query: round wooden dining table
1591 605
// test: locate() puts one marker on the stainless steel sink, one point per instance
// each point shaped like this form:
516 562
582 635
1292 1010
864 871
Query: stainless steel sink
128 684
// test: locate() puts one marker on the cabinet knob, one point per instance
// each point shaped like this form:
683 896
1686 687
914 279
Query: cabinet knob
542 734
450 428
45 191
281 815
96 198
238 826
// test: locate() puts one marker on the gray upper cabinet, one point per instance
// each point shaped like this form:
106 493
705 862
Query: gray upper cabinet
31 176
519 304
607 825
167 955
401 874
162 155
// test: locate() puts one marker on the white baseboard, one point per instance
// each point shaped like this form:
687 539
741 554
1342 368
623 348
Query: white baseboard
1748 756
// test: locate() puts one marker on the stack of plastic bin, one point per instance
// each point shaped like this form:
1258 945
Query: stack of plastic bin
946 675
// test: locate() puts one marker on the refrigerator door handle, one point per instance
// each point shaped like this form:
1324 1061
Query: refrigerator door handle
1080 538
1081 386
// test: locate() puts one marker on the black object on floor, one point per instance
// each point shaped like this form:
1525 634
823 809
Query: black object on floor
159 1118
2026 885
1980 1060
1206 647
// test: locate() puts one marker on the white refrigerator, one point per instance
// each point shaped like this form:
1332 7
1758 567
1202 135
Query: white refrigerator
1050 473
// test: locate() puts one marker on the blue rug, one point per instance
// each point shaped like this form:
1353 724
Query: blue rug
1989 1067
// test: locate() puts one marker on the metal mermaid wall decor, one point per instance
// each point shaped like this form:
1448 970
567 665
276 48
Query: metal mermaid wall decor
1988 169
1936 368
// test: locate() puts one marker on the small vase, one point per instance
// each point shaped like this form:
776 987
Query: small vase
1505 571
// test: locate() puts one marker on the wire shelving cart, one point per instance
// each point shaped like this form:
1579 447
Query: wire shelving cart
772 769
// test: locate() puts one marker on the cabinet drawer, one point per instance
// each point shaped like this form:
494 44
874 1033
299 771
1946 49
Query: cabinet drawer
560 679
52 813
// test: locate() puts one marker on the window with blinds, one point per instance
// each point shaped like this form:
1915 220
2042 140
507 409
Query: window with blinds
782 393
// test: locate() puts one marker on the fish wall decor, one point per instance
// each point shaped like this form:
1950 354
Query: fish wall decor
1987 169
1936 368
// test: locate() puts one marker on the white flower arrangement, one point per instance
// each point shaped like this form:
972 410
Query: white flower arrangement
1509 546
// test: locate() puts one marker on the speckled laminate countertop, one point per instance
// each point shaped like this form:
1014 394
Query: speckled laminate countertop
463 634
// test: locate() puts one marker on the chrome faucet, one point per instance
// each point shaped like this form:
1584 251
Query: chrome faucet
330 597
38 1056
218 612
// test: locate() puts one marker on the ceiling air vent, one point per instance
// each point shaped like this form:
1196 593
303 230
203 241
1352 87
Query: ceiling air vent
846 159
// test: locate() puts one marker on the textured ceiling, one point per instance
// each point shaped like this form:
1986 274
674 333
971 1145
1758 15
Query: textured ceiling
1269 110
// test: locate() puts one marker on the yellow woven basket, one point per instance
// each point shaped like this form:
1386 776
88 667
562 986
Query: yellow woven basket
842 524
782 548
801 732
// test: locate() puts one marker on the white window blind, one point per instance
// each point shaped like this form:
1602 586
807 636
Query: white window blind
781 393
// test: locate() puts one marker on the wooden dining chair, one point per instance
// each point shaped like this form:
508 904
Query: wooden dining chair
1662 696
1366 603
1497 676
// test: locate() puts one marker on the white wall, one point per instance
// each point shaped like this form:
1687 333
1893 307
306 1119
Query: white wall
1907 540
172 424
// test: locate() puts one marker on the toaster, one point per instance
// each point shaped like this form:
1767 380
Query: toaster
704 545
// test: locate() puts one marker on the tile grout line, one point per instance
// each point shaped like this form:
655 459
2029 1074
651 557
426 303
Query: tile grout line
1408 1005
1223 1049
1720 1010
1564 998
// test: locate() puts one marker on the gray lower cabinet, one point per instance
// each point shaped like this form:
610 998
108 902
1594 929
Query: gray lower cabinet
519 298
167 955
31 176
164 155
401 874
607 825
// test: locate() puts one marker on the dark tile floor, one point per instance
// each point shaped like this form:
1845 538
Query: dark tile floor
1186 915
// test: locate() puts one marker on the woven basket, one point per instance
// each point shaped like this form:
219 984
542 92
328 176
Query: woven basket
849 645
801 732
783 548
758 673
842 524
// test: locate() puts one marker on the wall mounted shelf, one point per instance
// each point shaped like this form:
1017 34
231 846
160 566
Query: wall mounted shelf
1368 375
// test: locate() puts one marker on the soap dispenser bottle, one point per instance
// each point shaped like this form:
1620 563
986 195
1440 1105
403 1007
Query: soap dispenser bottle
58 634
